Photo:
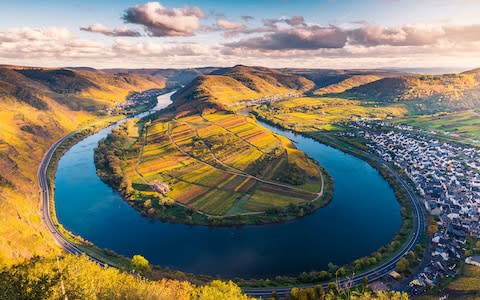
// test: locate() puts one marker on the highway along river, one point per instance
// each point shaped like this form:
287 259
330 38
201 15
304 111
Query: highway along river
362 216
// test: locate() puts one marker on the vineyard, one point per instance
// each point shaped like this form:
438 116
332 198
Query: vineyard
219 164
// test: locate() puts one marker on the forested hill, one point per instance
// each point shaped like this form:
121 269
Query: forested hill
229 86
37 107
429 92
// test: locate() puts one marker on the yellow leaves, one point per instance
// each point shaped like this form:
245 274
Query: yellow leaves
219 290
75 277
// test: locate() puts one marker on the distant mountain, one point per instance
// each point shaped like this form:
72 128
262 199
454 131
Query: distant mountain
347 84
433 92
173 77
326 77
228 86
429 71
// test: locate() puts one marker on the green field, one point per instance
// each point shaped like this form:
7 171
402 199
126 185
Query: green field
324 113
462 126
217 165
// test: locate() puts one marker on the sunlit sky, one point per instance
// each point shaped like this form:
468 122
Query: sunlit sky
272 33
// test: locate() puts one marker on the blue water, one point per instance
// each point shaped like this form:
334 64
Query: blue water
362 216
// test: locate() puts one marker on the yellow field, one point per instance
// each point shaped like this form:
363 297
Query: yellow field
211 162
322 113
468 282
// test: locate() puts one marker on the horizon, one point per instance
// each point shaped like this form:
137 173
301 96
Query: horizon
374 34
407 70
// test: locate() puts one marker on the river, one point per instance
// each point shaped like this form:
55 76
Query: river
362 216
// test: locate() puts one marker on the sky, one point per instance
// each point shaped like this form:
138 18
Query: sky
271 33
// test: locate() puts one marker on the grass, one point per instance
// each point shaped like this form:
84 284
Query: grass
469 281
324 113
461 126
218 165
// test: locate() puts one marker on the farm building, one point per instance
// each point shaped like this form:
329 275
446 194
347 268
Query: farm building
160 187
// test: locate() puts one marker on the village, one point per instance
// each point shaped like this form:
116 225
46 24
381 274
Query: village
133 101
447 177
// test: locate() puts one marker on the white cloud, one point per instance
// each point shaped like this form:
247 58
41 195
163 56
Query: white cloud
162 21
120 31
230 25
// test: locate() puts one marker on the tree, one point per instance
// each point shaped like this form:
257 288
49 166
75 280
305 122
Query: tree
219 290
402 265
273 296
140 263
21 282
319 291
432 229
332 267
365 282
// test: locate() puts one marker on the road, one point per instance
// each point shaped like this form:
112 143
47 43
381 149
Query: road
386 267
373 274
45 208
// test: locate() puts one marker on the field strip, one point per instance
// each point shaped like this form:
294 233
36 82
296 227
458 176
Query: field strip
231 172
241 138
228 169
213 154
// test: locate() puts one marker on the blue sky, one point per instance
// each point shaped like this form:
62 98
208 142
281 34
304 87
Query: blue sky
326 33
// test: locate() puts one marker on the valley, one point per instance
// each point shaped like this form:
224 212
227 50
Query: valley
210 159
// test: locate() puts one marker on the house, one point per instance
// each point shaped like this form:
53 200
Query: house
473 260
160 187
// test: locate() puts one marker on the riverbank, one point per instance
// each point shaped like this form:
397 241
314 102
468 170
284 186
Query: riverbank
95 203
228 193
403 192
76 244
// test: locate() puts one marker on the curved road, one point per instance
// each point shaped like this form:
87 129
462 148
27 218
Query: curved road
382 269
45 204
373 274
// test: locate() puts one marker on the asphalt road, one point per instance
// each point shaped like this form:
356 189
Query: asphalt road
381 270
373 274
45 205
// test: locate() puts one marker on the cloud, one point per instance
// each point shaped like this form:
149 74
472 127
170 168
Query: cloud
295 21
371 35
313 37
61 45
230 25
35 34
247 18
126 48
121 31
161 21
459 33
285 46
299 35
47 42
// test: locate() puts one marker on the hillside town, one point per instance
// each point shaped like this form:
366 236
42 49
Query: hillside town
133 101
447 177
266 99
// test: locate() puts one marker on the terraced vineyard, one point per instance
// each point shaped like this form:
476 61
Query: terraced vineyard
217 165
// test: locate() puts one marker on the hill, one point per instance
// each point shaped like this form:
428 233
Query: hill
173 77
326 77
347 84
37 107
229 86
429 93
225 169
